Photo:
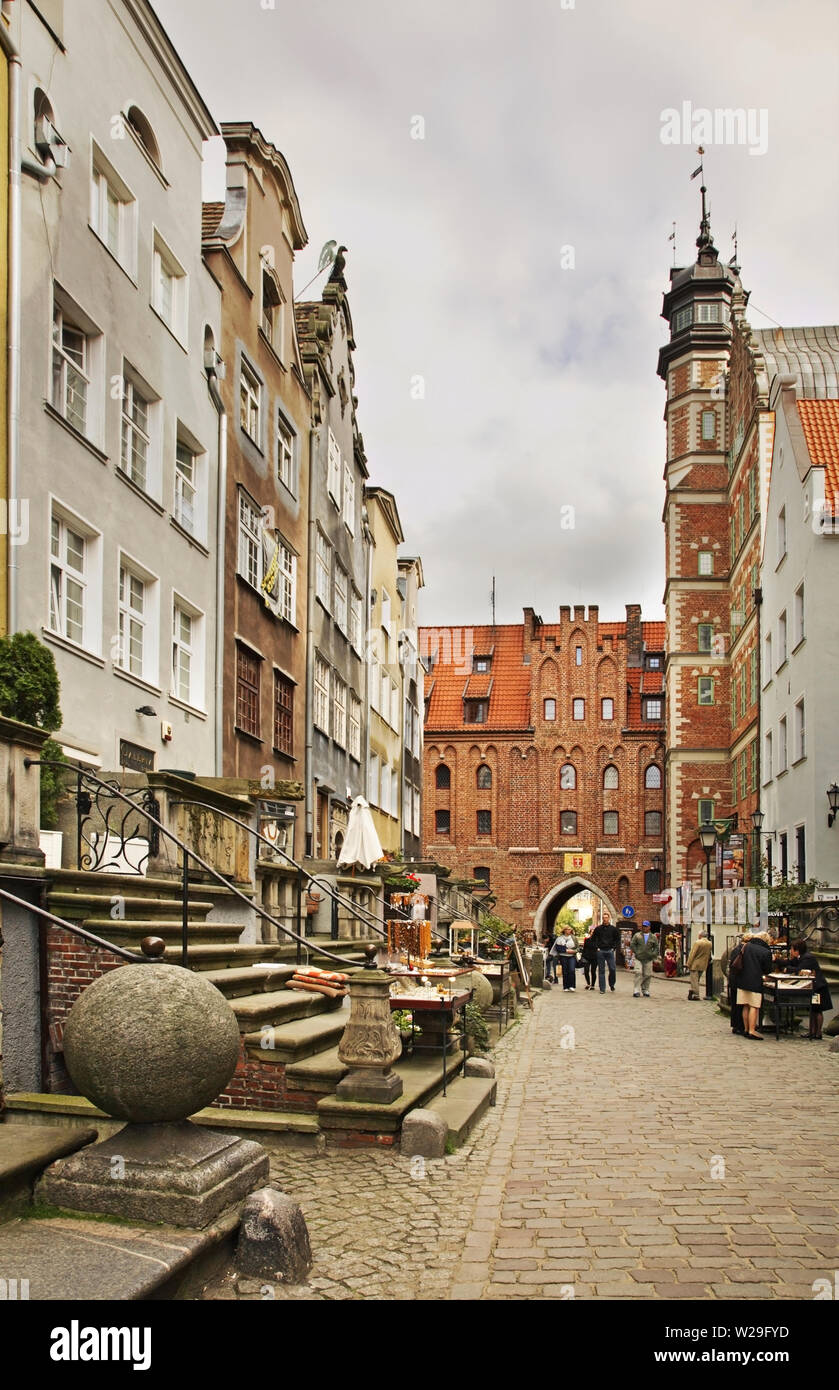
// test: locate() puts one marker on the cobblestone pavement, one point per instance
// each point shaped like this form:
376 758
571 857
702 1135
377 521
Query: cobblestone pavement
638 1150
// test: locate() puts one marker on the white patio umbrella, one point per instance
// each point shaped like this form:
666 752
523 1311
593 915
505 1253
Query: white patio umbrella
362 845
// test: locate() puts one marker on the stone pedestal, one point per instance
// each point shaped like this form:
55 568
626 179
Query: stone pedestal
371 1043
176 1173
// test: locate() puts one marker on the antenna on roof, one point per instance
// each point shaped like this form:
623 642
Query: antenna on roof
492 601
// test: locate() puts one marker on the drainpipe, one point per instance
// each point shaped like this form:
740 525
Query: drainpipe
308 762
221 517
13 320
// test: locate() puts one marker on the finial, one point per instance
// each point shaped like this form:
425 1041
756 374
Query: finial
704 241
672 237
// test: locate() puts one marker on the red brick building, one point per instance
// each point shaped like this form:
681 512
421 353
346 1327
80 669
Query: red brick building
543 761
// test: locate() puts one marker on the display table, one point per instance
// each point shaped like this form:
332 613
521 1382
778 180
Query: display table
432 1021
790 994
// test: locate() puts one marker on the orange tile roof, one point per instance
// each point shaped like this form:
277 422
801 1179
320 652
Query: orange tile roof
210 219
820 422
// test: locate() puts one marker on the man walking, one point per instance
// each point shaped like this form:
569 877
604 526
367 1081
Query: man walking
645 948
700 955
606 938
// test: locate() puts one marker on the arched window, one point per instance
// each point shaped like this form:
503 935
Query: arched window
568 777
533 890
270 320
652 776
610 778
142 129
443 777
484 778
623 891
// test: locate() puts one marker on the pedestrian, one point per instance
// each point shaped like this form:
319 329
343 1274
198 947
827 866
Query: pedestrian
671 969
730 958
755 962
589 955
698 960
606 939
566 944
550 955
645 947
820 999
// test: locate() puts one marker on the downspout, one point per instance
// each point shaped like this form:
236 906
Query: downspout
308 762
13 324
221 518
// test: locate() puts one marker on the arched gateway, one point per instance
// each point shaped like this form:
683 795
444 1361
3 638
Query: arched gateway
555 899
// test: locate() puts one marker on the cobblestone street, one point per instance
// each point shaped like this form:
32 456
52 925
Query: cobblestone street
638 1150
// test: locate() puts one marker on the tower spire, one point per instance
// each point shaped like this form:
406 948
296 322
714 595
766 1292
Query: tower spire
705 242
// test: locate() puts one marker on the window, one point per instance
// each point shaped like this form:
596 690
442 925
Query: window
653 711
271 317
442 777
285 453
333 470
705 690
706 812
339 711
484 822
385 789
709 424
568 822
280 582
705 562
355 620
407 799
250 402
283 714
442 823
250 541
652 823
708 313
475 711
800 747
481 664
705 637
169 289
682 318
484 778
417 811
340 592
373 780
652 881
187 654
753 676
394 793
652 777
533 890
373 685
782 639
782 842
568 777
136 434
69 569
610 778
70 370
134 639
610 822
355 727
800 855
782 534
782 746
386 624
384 697
798 615
578 709
550 709
144 133
482 876
767 757
323 569
653 663
578 656
186 484
321 694
607 709
113 212
349 498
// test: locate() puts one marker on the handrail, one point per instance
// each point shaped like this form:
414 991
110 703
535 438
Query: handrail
186 851
80 931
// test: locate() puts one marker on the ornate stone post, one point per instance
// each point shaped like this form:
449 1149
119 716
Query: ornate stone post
371 1043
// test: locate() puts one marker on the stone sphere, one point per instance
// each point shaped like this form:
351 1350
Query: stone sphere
481 988
150 1043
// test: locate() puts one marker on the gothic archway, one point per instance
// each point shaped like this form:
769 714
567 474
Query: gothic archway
561 893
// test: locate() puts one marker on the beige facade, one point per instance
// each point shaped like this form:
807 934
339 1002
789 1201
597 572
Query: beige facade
384 673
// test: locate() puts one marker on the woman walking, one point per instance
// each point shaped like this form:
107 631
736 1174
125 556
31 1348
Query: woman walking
567 951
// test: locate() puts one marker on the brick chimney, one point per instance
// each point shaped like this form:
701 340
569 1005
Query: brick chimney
532 623
634 637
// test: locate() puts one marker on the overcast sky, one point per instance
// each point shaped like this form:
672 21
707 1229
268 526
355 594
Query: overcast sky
542 126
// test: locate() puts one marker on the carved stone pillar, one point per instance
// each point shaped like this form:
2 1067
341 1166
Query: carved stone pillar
371 1043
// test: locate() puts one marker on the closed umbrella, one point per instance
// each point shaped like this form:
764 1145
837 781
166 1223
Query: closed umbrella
362 845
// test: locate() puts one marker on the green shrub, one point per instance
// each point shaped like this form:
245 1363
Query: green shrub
29 692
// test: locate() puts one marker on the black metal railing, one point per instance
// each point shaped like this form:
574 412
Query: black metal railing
107 825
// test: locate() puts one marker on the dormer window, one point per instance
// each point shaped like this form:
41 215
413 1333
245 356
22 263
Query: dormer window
481 664
653 663
475 711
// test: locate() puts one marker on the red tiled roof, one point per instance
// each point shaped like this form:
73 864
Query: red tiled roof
478 688
210 219
820 422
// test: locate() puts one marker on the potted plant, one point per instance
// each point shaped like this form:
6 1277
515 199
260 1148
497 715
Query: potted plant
29 691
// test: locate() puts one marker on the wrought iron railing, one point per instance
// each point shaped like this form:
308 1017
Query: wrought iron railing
106 825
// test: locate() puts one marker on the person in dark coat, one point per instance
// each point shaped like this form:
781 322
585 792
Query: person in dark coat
806 964
550 955
607 939
589 955
757 962
735 1009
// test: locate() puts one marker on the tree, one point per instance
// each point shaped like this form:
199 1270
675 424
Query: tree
29 692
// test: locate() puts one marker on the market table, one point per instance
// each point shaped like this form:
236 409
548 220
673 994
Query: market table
789 992
435 1012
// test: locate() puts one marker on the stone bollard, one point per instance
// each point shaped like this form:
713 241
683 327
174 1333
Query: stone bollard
479 1066
424 1134
273 1241
537 969
371 1043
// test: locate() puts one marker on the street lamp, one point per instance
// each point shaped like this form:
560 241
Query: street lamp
757 826
708 840
833 802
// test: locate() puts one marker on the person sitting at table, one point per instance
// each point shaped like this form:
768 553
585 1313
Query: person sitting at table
806 964
757 962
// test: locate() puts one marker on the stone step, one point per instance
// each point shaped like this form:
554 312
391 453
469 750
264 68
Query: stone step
246 980
301 1038
279 1006
72 1116
422 1079
77 906
467 1100
121 930
319 1073
25 1151
204 956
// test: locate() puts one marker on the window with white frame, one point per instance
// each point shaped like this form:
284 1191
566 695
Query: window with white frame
250 402
407 799
708 313
285 453
138 596
610 778
782 639
286 580
187 653
682 318
767 758
113 211
75 580
394 792
416 733
578 709
373 780
340 586
709 425
134 448
800 742
384 788
321 694
250 541
74 348
355 727
339 711
386 622
169 288
607 708
417 811
349 498
705 562
782 745
767 657
333 470
186 487
798 611
384 700
323 569
355 620
395 703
